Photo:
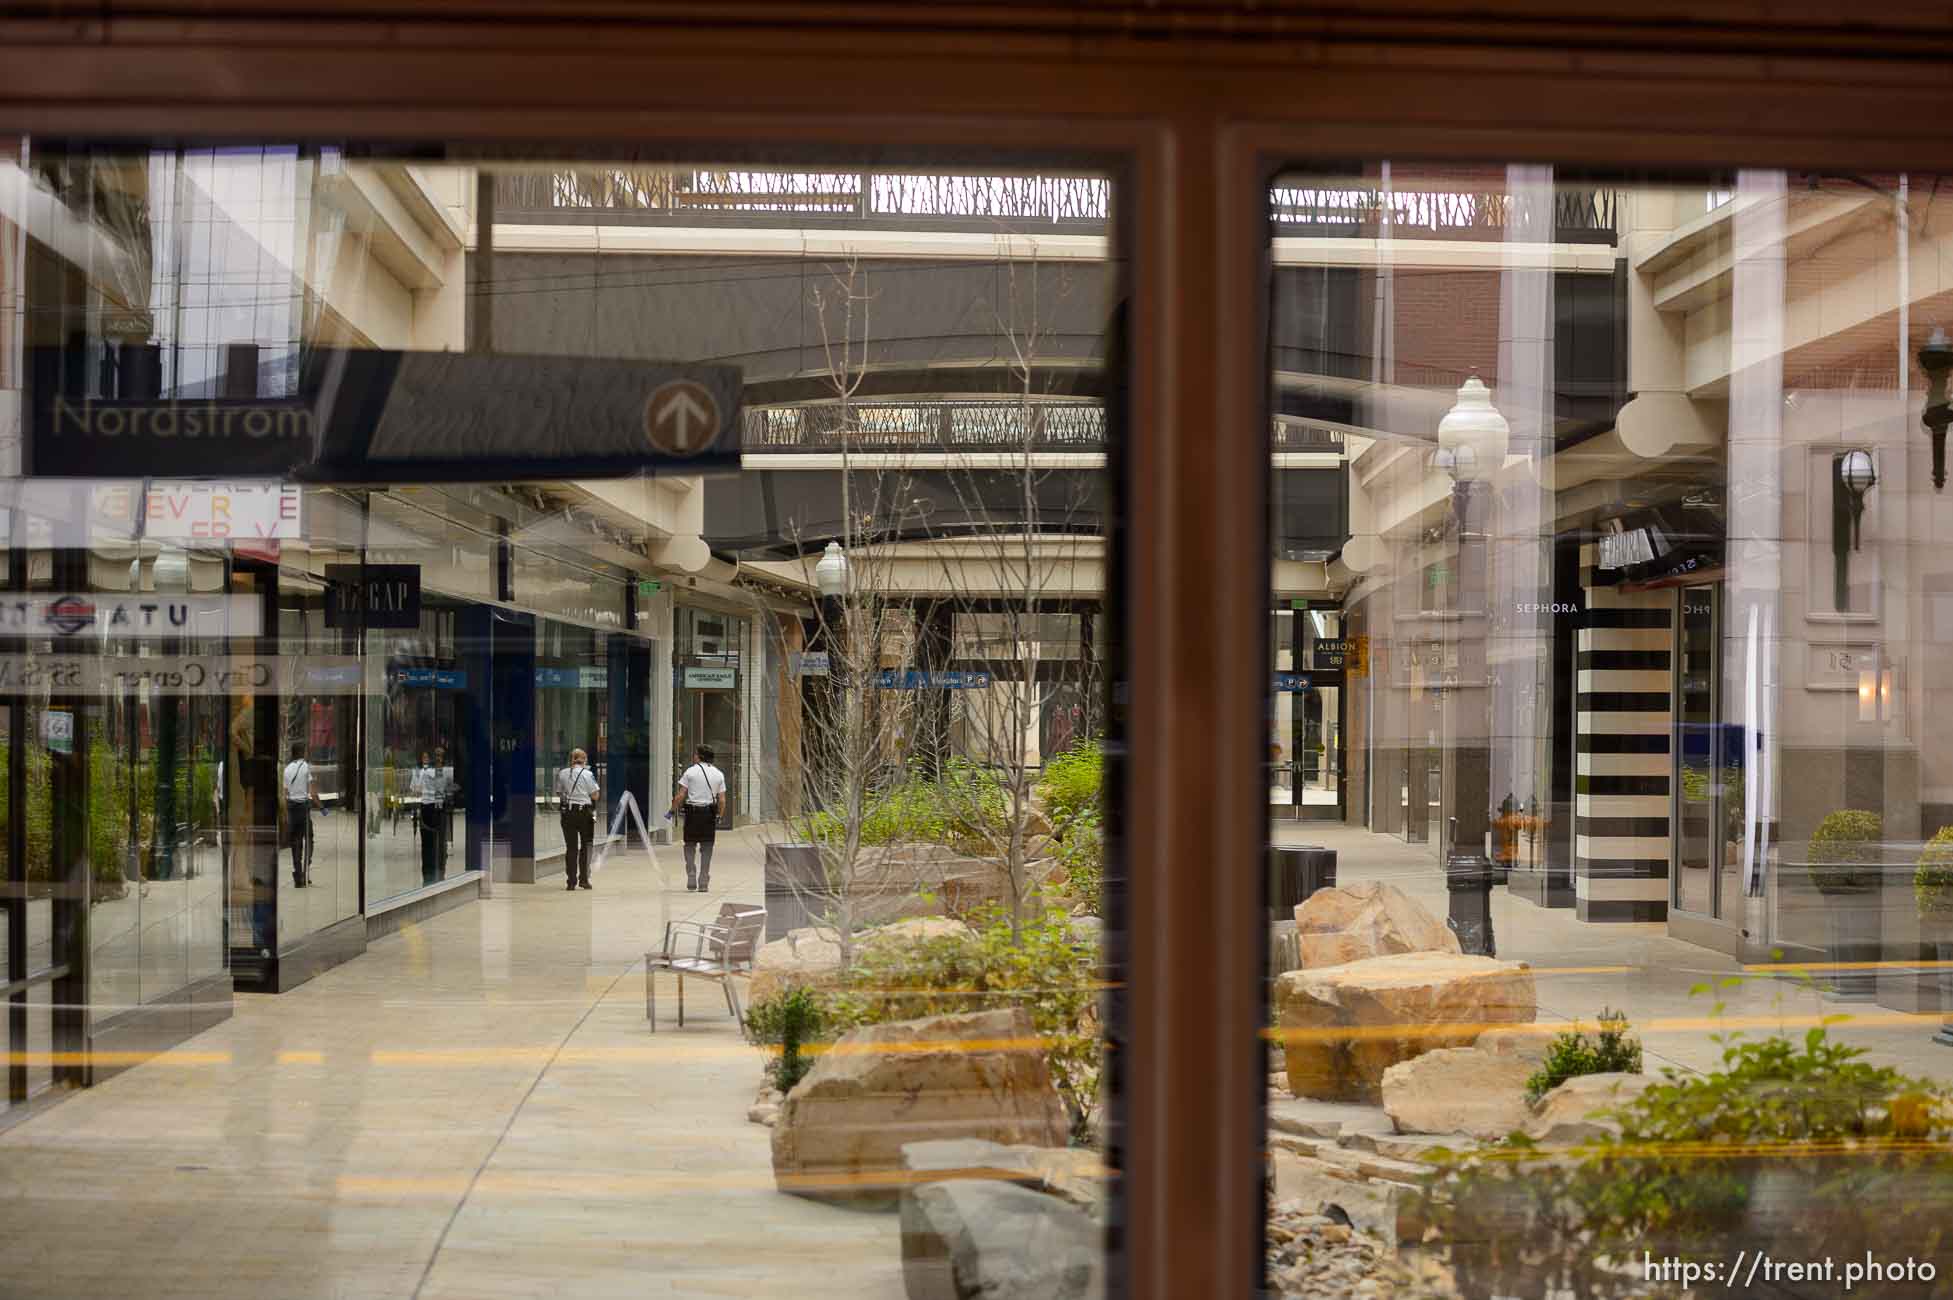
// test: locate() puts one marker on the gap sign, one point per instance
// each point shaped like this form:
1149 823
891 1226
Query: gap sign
372 596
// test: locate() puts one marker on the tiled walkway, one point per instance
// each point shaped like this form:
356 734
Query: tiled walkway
474 1108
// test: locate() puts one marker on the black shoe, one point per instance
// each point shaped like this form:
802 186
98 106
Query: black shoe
691 886
571 886
584 885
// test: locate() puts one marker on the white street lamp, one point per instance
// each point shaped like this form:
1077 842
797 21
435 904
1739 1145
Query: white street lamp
1471 446
1474 433
831 572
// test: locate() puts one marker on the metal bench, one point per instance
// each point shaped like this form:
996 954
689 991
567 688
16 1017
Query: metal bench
719 951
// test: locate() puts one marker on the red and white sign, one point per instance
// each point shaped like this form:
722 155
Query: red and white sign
205 512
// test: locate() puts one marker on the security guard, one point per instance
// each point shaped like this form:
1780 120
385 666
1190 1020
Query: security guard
576 794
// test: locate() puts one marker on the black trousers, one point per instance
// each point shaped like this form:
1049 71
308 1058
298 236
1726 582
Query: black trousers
579 829
432 828
298 825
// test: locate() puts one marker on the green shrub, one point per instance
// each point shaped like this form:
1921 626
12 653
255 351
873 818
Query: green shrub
1844 849
951 809
1045 969
792 1021
1932 880
1610 1052
1794 1145
1073 784
1082 854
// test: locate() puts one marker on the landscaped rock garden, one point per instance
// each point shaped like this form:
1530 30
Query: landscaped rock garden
1343 1026
839 1133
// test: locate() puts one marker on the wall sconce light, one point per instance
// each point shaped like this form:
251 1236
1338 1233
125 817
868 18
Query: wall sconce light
1936 359
1852 475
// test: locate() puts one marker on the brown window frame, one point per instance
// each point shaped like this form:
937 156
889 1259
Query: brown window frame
1194 130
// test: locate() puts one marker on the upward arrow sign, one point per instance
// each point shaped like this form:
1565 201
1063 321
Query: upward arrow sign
684 418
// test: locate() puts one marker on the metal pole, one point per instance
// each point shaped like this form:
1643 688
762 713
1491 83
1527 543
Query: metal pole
1468 872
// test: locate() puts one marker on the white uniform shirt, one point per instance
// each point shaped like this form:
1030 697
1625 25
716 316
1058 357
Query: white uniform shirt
576 785
298 781
703 784
428 787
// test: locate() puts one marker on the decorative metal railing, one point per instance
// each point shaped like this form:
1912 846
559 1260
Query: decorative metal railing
963 426
695 196
684 195
1579 214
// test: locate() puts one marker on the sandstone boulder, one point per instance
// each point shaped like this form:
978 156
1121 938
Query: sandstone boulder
799 957
1074 1175
972 1239
1527 1041
1458 1090
1570 1114
1368 919
1343 1026
811 957
981 1074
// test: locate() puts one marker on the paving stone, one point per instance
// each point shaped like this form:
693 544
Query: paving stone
1306 1117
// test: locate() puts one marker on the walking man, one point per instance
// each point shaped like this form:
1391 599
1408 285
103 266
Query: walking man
701 794
429 792
301 793
576 795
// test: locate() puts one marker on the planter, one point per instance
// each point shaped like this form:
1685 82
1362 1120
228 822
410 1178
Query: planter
1942 942
1852 937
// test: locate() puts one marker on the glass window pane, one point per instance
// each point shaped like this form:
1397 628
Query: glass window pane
453 594
1603 693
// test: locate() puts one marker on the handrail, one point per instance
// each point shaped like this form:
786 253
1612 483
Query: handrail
34 979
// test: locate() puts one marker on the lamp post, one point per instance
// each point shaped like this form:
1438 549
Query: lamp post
832 579
1854 476
1936 359
1471 446
831 576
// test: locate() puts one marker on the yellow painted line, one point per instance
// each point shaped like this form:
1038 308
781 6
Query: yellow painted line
301 1058
579 1185
1779 968
1879 1148
175 1058
1467 1029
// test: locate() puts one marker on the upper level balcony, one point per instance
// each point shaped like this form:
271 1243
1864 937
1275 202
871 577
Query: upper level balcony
1412 207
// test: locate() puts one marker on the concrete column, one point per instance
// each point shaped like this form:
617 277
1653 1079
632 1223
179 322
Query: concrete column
1753 602
1519 644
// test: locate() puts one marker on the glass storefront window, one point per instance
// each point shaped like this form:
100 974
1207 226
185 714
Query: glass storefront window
1622 657
356 492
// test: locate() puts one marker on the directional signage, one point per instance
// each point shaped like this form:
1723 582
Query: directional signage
441 679
366 415
893 679
682 419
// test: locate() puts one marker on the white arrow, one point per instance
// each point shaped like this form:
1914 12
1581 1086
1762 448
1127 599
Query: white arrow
685 411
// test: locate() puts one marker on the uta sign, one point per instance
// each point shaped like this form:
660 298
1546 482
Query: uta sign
85 616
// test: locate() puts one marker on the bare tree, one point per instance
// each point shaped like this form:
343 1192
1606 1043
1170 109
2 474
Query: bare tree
887 742
1017 584
856 744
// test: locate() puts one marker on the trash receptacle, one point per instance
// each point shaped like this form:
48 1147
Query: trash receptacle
794 887
1297 872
